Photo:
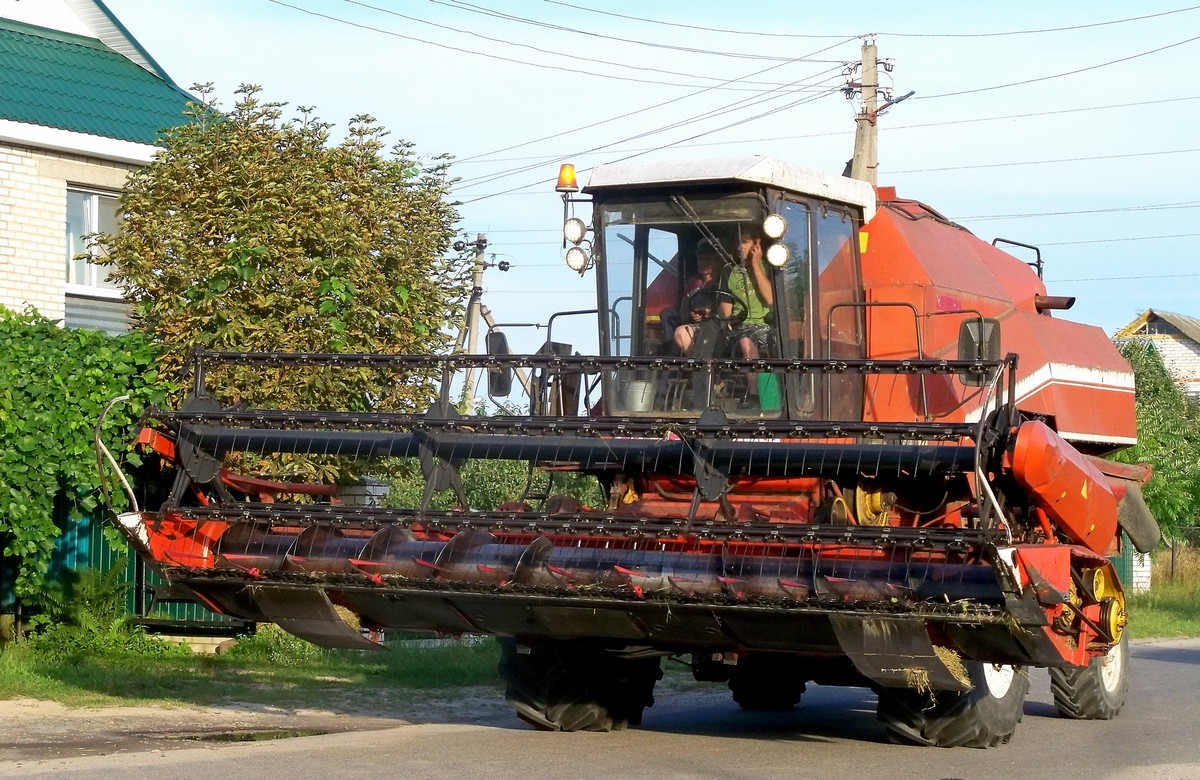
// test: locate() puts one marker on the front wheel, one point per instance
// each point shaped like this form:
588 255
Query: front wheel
766 682
985 716
1096 691
562 686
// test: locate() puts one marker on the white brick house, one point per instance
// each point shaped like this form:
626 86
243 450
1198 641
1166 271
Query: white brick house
1176 338
81 107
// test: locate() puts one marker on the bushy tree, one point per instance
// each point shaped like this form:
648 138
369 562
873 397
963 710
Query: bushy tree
1168 439
250 232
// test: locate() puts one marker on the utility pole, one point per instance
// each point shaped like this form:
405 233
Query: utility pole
864 166
866 135
473 311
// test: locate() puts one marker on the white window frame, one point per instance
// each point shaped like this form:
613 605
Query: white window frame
92 287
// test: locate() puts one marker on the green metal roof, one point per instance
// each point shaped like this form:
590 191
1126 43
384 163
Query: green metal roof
71 82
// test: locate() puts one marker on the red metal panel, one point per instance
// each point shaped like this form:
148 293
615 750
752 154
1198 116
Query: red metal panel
1066 485
1067 371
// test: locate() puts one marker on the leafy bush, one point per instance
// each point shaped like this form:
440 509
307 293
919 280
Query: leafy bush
83 614
91 599
48 413
271 645
252 232
1168 439
120 638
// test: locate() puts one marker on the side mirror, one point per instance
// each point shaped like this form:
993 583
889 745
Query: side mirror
978 339
499 378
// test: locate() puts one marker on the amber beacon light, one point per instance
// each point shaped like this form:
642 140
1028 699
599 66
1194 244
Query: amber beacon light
566 179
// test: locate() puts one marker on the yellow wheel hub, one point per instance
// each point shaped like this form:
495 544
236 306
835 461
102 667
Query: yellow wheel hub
1113 617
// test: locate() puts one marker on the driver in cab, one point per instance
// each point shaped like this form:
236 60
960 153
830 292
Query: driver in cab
699 298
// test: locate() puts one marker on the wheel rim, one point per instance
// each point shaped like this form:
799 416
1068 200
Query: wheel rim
1110 667
998 678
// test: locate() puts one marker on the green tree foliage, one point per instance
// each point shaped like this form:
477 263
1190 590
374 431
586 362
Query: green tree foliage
254 233
53 387
490 483
1168 440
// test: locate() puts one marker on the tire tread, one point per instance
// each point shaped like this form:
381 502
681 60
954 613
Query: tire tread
563 687
971 719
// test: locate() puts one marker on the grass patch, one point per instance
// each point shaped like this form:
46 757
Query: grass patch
271 668
1171 608
1168 609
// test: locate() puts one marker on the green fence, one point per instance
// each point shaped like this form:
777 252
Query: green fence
82 545
1123 562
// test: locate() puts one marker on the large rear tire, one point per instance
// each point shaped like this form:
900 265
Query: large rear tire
561 686
766 682
985 716
1096 691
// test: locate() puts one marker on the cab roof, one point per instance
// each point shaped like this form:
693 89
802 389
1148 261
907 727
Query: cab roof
767 171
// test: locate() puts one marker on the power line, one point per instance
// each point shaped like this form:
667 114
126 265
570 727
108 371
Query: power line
591 125
555 67
560 291
894 34
605 121
709 114
1122 278
1117 240
1044 162
563 55
1056 75
1151 207
472 8
543 160
592 292
890 128
1044 29
664 146
694 26
551 243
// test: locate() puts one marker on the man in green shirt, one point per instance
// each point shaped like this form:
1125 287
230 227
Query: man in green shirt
750 283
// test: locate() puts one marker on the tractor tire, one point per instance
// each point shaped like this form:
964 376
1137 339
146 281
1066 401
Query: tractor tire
983 717
1096 691
561 686
765 682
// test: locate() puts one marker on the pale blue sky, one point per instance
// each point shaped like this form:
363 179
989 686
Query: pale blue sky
445 75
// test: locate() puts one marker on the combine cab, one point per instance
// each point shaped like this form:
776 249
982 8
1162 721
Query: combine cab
877 461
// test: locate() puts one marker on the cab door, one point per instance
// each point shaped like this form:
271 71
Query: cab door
821 315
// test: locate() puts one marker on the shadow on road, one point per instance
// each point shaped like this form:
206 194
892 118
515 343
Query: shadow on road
823 714
1167 653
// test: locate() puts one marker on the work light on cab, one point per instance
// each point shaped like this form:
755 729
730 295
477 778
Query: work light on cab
574 230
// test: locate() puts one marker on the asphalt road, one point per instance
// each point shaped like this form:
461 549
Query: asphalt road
700 733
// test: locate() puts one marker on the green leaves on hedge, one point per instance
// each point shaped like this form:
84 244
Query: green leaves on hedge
53 385
1168 439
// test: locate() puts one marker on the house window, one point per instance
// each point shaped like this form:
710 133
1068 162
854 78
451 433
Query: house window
87 213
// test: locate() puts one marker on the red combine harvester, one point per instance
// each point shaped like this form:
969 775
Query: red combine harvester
873 457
